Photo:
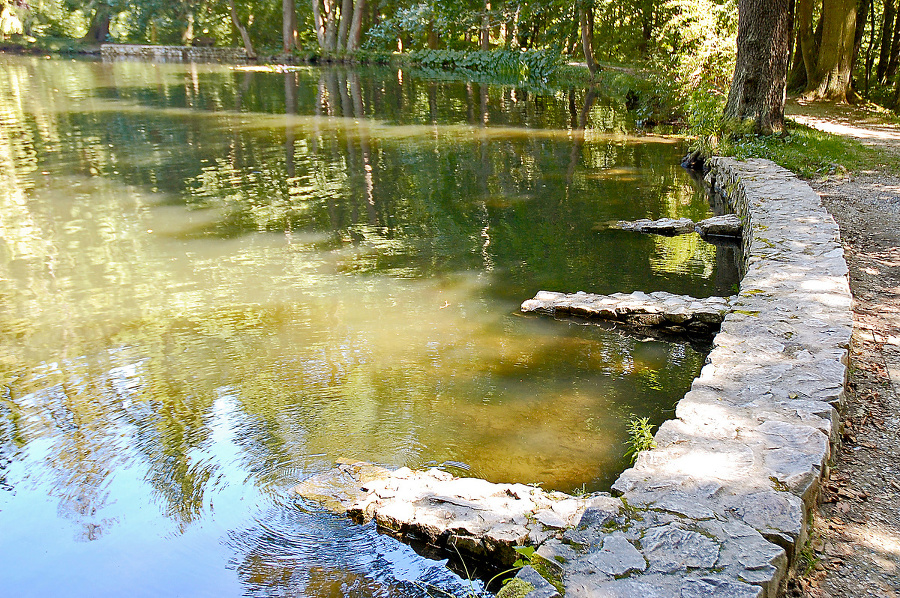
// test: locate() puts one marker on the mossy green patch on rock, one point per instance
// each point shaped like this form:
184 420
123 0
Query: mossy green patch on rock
516 588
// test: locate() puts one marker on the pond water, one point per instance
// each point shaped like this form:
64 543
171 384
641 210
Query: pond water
215 282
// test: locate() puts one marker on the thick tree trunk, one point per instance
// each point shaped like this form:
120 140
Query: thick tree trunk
585 18
344 27
356 26
884 55
98 30
757 90
807 41
330 25
288 26
830 80
895 50
318 23
796 80
236 21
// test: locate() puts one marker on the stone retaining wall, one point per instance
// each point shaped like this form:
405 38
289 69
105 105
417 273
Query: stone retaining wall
179 53
720 507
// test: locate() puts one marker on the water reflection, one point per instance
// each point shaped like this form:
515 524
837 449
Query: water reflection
215 283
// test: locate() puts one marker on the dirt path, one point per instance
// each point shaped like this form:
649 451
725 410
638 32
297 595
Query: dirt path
856 538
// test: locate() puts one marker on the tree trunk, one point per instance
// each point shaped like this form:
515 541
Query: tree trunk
585 16
318 23
330 25
870 56
796 80
807 41
356 26
431 38
98 30
288 26
512 40
344 27
862 15
187 36
884 55
486 27
895 50
830 80
236 21
757 90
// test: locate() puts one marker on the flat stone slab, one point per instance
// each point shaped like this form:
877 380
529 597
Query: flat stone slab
480 519
663 226
728 225
653 310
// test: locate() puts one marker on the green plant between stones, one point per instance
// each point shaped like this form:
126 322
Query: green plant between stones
640 437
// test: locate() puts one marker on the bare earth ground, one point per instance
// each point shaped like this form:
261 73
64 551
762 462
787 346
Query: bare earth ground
856 533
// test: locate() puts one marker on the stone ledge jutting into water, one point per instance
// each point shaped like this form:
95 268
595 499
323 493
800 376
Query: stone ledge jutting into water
720 507
482 520
655 310
728 225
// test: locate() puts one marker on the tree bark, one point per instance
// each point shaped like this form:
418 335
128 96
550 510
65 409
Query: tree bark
330 25
585 17
288 26
884 54
318 23
344 27
862 15
757 90
356 26
895 50
98 30
512 40
830 79
808 46
236 21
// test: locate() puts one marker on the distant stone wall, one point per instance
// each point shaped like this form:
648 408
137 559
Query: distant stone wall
174 53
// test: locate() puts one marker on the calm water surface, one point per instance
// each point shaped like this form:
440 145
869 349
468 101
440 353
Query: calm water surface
216 282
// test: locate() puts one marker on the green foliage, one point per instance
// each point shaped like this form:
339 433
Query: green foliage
529 65
640 437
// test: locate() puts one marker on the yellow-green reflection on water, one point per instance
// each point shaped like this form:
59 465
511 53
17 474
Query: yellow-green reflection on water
215 283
